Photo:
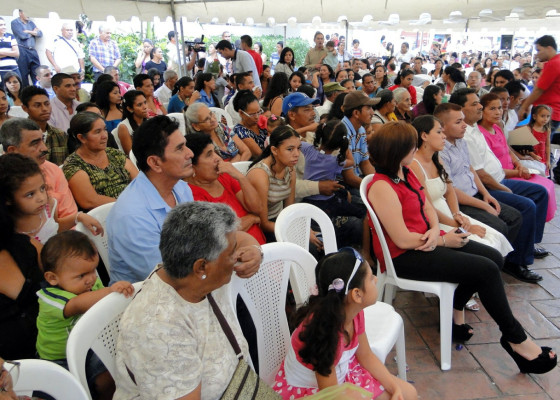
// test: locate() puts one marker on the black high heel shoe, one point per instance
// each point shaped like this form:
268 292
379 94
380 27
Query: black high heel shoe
460 333
540 365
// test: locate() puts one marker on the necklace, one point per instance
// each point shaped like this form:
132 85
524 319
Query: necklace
34 231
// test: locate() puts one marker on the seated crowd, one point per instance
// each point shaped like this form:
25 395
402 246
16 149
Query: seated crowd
457 204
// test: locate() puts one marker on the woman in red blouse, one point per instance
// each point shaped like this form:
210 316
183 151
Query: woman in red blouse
421 252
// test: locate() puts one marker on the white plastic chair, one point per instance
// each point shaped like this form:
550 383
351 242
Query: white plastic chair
132 158
294 225
115 133
242 166
97 330
180 118
100 213
388 279
222 113
264 294
49 378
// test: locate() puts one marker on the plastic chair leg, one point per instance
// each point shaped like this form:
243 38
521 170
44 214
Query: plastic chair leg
389 293
446 321
401 353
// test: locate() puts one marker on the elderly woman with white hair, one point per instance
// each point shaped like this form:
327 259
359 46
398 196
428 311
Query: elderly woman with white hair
229 147
171 344
402 108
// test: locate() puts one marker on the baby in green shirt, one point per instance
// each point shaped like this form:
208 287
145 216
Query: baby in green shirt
69 263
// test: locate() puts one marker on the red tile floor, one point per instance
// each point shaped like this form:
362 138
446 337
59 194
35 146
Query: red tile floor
482 369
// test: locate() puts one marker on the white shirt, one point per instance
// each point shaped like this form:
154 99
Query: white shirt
163 94
231 111
324 109
480 154
66 52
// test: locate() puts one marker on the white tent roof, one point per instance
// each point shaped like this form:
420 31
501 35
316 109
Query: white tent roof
281 11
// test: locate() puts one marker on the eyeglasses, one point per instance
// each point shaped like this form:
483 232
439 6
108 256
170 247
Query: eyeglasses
208 118
253 115
12 368
359 261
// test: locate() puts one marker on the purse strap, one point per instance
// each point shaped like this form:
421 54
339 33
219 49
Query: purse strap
225 326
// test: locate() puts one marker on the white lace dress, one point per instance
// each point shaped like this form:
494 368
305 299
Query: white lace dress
436 188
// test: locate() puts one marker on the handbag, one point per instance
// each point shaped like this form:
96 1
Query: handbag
245 383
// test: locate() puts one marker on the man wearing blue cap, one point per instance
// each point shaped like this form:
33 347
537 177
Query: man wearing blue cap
298 110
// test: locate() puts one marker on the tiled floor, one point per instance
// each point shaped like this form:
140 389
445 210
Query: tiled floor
482 369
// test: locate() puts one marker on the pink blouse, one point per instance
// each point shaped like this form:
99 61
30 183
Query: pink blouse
498 145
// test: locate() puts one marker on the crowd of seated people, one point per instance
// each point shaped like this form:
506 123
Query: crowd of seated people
437 140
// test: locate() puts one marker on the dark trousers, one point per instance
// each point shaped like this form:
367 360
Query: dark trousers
28 62
475 268
531 200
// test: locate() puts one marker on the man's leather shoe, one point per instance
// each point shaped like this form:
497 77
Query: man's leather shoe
522 273
539 252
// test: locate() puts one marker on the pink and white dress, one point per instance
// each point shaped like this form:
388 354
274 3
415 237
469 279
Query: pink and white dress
295 379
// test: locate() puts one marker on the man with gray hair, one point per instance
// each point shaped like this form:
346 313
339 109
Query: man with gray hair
23 136
103 52
65 51
163 94
135 221
474 80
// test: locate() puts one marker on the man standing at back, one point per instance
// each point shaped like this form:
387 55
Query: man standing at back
247 45
65 51
103 52
26 32
242 61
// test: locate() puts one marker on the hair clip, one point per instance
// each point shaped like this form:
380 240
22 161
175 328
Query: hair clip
273 117
337 285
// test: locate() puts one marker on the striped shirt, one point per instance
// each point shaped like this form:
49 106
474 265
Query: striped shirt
278 190
358 145
6 43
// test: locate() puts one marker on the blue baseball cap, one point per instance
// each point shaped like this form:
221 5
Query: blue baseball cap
297 99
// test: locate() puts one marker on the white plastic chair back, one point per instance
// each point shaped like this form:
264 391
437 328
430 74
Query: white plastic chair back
222 113
389 278
294 225
132 158
100 213
97 329
242 166
264 294
49 378
115 133
17 111
180 118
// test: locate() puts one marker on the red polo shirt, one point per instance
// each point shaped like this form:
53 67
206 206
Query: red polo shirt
550 83
258 60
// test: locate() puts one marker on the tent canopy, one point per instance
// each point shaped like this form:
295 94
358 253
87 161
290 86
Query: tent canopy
458 11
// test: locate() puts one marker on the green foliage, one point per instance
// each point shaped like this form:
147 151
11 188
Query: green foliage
130 45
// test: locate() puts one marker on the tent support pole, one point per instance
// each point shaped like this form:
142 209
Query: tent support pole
179 59
285 35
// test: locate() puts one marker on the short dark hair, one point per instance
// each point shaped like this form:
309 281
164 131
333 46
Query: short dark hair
247 40
66 244
460 96
515 88
307 89
390 144
547 41
139 79
170 35
224 44
197 142
84 106
151 138
240 77
57 79
444 108
29 91
497 90
242 99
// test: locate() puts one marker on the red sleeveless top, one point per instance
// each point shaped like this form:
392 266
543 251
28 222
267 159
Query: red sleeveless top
412 198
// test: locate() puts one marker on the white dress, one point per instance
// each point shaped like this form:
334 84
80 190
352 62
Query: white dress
436 188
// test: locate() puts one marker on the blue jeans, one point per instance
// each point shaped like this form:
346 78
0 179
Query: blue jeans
531 200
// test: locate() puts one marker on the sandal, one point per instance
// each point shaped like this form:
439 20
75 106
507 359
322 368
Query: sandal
460 333
472 305
540 365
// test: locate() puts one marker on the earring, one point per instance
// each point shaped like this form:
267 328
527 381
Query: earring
203 277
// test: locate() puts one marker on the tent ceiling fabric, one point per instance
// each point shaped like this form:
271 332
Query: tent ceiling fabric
261 10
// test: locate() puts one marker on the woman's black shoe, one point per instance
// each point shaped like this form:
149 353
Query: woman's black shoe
540 365
460 333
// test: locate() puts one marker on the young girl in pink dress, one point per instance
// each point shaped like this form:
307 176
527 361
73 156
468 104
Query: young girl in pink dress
540 126
330 347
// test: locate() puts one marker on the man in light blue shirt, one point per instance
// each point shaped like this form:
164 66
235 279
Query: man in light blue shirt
242 61
135 221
